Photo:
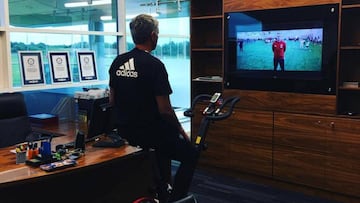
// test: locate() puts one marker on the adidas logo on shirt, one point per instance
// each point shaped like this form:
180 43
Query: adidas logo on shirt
127 70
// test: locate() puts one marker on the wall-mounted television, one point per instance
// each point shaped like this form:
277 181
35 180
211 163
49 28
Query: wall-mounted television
286 50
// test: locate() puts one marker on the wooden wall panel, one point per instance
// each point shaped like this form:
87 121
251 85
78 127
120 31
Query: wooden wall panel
250 141
343 175
217 153
299 166
287 102
253 126
301 131
236 5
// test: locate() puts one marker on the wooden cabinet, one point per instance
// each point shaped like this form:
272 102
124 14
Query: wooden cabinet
342 168
303 139
250 136
349 58
300 148
216 156
245 147
318 151
206 47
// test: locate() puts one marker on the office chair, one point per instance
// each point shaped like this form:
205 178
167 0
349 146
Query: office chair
14 121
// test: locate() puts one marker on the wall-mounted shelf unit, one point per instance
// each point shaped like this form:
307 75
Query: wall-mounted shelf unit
206 47
349 60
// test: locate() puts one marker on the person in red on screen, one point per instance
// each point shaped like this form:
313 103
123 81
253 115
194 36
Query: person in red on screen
279 48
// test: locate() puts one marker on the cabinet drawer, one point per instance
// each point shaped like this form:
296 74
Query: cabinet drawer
250 157
343 139
254 126
299 167
343 175
300 131
249 141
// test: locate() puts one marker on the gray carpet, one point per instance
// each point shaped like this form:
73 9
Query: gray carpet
211 188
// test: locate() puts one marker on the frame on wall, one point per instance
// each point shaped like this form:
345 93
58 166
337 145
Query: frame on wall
32 68
60 67
87 65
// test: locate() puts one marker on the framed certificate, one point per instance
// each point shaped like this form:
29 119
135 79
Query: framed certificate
32 68
60 67
87 65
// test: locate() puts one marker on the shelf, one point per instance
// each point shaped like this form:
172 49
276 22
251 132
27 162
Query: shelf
350 2
208 79
349 88
350 6
350 47
54 86
207 17
207 49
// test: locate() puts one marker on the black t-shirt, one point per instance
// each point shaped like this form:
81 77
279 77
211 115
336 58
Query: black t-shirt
137 78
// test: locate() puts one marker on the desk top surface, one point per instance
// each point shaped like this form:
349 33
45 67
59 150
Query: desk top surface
10 172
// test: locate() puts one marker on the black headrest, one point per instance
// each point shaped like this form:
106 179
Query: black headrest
12 105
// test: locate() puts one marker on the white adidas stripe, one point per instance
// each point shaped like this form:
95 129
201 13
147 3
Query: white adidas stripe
129 65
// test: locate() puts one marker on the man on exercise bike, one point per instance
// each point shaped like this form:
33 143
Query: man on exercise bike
139 91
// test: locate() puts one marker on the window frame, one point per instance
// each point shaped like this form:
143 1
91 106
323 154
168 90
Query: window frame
6 79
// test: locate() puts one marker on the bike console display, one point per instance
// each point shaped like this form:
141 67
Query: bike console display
213 100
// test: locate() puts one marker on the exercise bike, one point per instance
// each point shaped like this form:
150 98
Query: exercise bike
217 109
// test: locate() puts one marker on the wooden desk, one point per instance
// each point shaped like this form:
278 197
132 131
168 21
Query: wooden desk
101 175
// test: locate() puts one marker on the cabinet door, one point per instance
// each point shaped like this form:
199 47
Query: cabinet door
299 166
242 142
299 148
343 161
304 132
250 141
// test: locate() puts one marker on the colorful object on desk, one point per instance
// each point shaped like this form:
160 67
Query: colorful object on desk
33 150
45 149
21 153
20 157
58 165
21 147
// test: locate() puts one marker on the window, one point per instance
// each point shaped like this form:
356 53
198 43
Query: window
64 15
105 48
173 50
52 25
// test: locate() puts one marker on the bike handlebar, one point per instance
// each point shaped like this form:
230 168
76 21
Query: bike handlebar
217 114
189 112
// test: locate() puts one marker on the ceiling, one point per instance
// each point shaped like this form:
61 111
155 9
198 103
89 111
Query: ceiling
31 13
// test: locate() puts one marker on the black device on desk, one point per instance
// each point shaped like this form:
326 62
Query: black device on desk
101 121
112 140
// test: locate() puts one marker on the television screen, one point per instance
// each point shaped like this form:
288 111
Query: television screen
302 49
282 49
